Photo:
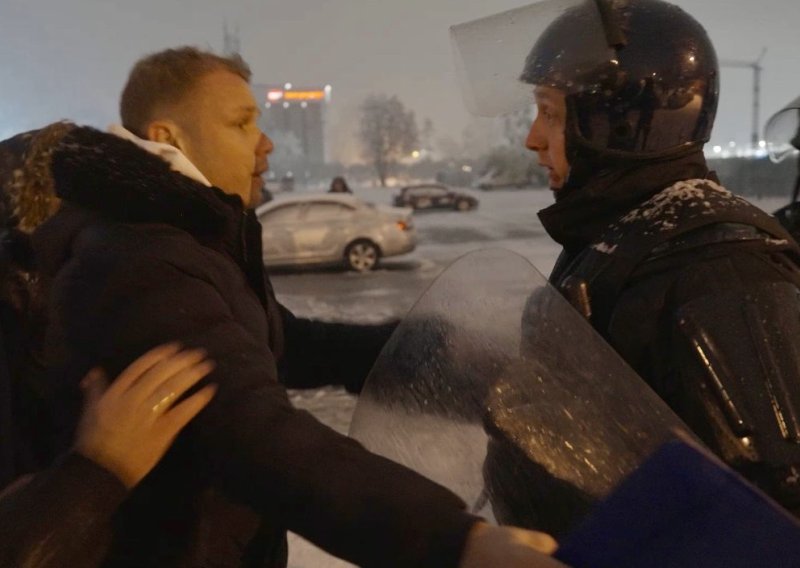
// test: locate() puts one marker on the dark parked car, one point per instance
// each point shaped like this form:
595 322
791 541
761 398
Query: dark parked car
434 196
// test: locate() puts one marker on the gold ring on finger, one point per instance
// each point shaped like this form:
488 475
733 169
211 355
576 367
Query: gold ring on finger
164 403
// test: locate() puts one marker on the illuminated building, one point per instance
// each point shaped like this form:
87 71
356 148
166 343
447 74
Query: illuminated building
299 111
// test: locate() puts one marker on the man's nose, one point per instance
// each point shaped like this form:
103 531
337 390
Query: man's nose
265 145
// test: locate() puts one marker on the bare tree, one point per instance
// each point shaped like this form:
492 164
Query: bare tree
427 133
388 132
517 125
510 162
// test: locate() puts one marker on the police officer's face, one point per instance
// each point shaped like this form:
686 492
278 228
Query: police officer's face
547 135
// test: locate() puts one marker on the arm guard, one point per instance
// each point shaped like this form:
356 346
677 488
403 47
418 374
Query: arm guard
744 399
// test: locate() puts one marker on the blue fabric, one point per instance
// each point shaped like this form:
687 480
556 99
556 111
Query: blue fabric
684 508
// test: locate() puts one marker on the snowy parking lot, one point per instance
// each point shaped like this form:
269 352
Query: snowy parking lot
505 219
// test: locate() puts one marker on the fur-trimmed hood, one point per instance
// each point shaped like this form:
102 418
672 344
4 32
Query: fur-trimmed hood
119 180
106 174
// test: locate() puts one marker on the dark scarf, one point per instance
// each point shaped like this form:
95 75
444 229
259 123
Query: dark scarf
581 214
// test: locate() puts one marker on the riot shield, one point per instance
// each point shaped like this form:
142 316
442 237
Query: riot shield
490 53
783 132
495 387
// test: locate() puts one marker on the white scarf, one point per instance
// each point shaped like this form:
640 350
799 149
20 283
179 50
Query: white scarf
170 154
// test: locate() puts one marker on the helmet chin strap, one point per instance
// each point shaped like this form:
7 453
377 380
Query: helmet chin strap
585 166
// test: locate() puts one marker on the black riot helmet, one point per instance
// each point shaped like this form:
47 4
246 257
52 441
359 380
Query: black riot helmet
654 94
641 77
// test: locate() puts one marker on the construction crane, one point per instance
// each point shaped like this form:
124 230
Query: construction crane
757 69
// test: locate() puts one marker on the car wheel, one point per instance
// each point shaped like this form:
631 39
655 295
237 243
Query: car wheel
463 205
423 203
362 256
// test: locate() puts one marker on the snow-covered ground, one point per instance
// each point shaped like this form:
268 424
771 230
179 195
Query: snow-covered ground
505 219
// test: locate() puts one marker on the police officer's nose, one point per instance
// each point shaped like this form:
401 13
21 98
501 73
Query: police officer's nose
535 141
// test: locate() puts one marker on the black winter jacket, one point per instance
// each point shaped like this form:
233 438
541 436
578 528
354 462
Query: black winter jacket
55 518
139 255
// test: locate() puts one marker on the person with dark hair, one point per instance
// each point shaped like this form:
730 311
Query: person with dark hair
121 435
27 199
339 185
154 241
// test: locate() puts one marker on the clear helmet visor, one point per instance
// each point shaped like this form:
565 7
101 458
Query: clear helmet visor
639 79
493 54
783 132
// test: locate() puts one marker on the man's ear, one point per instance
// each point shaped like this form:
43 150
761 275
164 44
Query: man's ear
165 132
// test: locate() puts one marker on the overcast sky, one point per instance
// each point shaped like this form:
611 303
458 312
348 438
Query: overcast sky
69 58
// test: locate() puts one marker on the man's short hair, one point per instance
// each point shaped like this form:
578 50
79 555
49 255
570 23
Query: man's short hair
165 78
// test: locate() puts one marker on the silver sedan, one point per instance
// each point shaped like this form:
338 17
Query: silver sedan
332 229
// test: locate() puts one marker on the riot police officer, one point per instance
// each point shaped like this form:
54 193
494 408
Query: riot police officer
694 287
783 140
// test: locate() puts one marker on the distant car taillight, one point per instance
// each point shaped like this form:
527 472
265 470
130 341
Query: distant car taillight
403 225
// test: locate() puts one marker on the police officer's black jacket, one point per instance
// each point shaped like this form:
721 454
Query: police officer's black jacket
671 268
139 255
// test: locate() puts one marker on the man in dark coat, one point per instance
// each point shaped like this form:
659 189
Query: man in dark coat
153 243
